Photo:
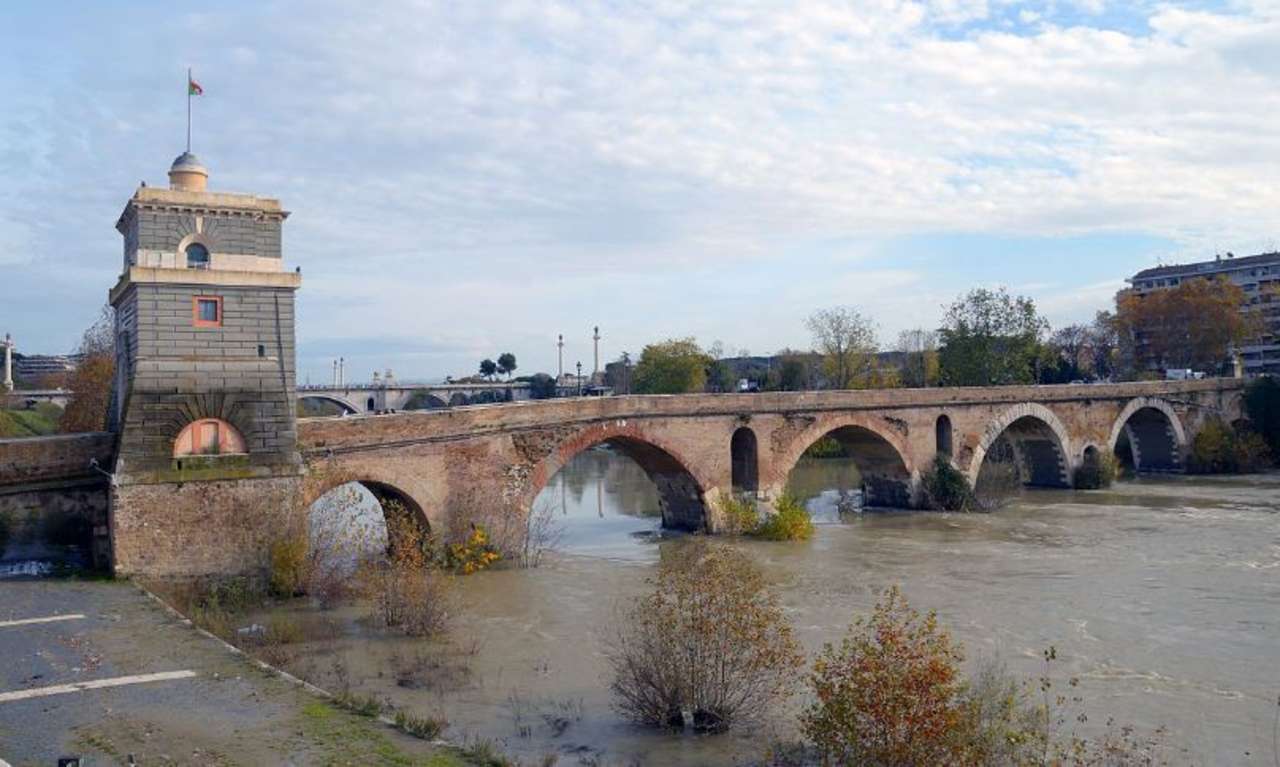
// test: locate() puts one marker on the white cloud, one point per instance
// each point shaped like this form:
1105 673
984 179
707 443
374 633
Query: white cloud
452 166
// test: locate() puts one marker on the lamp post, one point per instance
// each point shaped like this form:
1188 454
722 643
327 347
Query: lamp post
579 378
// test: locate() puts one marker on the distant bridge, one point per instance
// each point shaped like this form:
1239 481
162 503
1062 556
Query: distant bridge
354 399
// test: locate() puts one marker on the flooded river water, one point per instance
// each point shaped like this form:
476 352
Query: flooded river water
1162 595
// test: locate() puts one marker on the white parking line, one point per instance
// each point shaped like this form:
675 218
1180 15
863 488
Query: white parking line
33 621
97 684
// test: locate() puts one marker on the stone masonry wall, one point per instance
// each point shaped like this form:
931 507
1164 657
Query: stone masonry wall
227 232
242 372
200 528
57 458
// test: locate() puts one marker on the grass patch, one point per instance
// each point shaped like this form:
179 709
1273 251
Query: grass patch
422 727
360 705
36 422
345 739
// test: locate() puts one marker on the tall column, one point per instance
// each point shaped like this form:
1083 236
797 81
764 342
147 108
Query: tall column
560 355
595 370
8 363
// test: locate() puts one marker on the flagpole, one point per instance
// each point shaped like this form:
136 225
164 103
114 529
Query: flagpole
188 110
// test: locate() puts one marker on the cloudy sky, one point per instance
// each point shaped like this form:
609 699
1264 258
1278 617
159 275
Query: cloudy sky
468 178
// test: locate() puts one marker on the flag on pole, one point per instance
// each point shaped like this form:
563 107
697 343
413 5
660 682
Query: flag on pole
193 87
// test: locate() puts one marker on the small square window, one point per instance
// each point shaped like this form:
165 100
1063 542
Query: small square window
206 311
262 350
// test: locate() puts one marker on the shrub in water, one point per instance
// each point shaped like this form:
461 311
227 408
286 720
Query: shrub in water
1219 449
709 648
1096 471
946 488
739 514
791 522
289 565
890 693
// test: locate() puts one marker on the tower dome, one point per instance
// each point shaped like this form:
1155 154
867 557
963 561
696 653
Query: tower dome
188 174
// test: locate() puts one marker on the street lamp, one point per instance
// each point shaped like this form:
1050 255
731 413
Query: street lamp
579 379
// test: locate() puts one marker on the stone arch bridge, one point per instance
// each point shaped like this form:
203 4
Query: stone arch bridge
697 448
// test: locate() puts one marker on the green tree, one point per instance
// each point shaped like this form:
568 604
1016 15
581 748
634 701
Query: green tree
488 368
674 366
792 372
847 341
542 386
990 338
1262 403
507 364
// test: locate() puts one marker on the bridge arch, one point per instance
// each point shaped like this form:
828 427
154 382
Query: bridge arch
1152 432
879 449
397 504
346 407
681 494
423 400
1040 445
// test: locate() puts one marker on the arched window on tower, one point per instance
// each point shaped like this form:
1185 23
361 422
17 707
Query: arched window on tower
208 436
197 256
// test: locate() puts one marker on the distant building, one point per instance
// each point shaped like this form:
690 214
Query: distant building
35 368
1258 276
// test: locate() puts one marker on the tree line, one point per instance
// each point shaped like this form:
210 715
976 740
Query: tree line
987 338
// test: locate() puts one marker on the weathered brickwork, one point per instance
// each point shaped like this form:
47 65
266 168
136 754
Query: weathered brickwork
61 458
53 519
157 221
51 494
218 527
438 460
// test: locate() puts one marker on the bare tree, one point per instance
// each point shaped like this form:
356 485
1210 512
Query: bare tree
847 341
920 351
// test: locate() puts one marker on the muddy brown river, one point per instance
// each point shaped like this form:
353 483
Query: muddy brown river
1161 595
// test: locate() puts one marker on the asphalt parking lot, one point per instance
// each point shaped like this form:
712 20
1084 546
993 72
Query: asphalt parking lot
99 670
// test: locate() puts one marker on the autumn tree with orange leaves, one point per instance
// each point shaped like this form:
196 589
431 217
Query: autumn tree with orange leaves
891 693
90 384
1194 325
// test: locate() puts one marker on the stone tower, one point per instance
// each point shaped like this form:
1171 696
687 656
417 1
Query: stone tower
204 400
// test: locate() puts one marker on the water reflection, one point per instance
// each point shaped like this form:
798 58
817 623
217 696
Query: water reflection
603 503
830 488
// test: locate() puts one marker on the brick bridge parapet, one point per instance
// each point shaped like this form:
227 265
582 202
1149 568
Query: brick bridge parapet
503 455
